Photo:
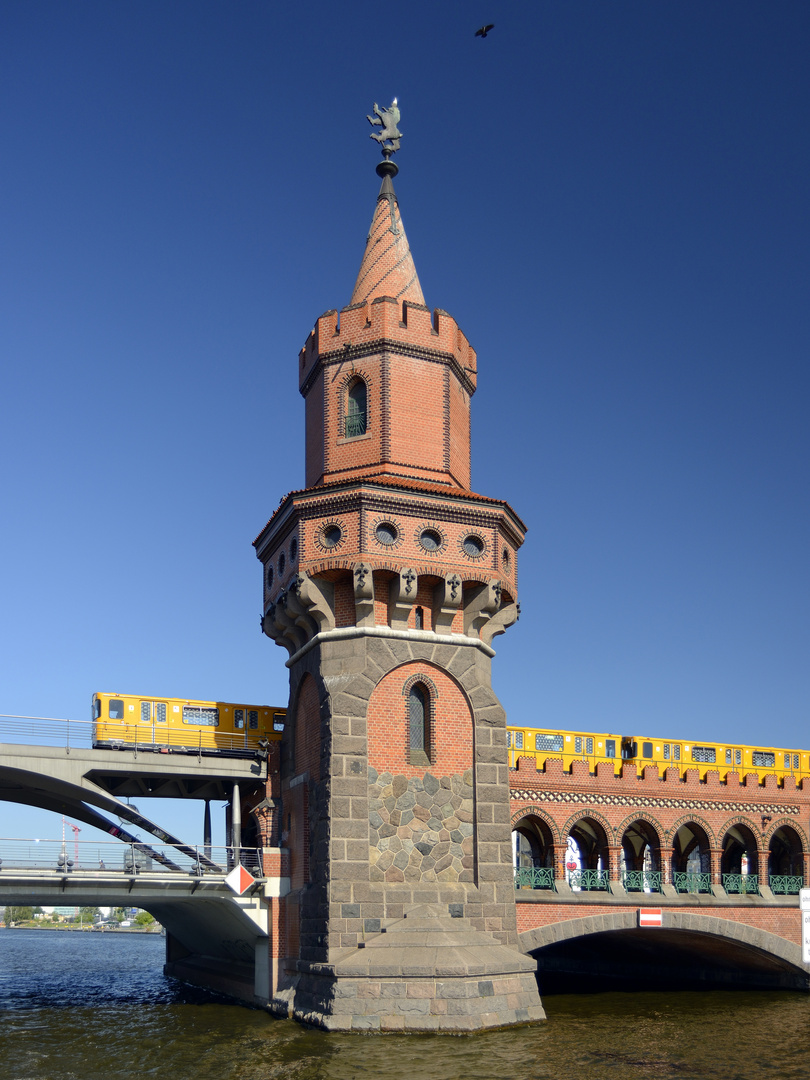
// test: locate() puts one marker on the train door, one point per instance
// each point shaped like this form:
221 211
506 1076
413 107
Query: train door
152 724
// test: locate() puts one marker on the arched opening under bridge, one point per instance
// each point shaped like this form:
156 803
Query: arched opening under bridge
608 953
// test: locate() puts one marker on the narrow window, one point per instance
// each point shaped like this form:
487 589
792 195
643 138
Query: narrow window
419 719
589 746
578 744
518 740
356 409
419 619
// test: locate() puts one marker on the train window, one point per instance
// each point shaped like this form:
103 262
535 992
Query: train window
610 748
738 757
676 751
146 712
116 709
253 719
238 719
278 721
160 712
795 761
763 759
666 751
728 757
518 740
96 708
589 746
705 754
548 742
200 716
629 748
578 744
787 761
509 738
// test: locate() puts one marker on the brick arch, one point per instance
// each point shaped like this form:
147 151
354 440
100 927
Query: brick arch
792 824
660 831
452 724
748 937
710 834
543 816
740 819
594 815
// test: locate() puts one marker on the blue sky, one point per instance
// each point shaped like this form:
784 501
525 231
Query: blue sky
611 198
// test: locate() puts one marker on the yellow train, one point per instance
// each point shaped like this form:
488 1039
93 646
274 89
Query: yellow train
641 750
182 725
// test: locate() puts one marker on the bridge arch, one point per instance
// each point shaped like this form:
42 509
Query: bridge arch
787 847
739 845
640 838
542 815
692 840
689 950
593 835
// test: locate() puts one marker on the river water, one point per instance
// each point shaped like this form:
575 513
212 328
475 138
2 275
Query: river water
96 1007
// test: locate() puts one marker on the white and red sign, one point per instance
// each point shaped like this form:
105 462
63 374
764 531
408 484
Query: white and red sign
240 880
649 916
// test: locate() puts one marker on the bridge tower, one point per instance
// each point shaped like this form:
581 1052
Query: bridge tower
386 579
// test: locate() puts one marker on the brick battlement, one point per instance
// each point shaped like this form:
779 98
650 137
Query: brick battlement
366 325
651 782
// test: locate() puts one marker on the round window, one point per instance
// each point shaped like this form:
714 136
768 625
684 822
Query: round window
430 539
281 563
473 546
386 533
331 536
293 549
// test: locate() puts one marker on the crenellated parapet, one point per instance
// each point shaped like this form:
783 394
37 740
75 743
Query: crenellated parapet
365 328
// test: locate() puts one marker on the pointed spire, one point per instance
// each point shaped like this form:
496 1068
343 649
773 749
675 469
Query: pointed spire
387 268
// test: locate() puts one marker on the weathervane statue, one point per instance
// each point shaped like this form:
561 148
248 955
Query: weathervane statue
390 135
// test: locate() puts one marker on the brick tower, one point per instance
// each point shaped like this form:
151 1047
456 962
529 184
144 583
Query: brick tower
386 579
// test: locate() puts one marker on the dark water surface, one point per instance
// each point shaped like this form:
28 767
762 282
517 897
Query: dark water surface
96 1007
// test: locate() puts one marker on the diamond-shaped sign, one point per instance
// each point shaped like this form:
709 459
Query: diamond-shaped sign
240 880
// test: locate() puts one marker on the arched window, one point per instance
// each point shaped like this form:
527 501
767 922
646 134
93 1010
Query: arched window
356 409
418 723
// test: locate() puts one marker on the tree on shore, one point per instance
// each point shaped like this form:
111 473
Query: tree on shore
18 915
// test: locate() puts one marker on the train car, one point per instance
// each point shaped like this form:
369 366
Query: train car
543 743
182 725
716 757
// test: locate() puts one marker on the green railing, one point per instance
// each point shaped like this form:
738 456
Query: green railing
588 879
692 883
642 880
741 883
786 884
534 877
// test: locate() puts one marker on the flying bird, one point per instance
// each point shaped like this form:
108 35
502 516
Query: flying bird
484 30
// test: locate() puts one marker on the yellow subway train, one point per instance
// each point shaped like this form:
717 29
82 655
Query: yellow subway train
642 750
183 725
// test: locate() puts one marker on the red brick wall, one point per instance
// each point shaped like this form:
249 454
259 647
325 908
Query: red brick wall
784 922
451 728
